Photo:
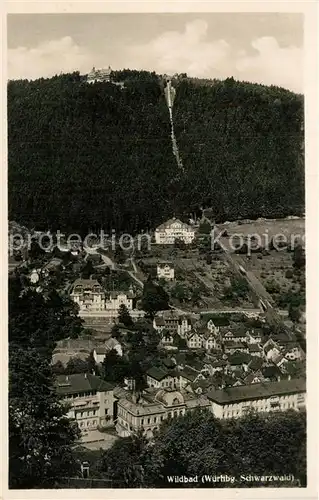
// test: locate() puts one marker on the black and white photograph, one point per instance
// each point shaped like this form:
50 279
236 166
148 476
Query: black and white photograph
156 221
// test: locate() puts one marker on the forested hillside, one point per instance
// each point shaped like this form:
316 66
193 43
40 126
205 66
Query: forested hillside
242 147
97 156
88 156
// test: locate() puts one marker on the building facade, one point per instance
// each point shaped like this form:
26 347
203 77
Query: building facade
99 75
92 298
91 400
150 409
89 295
172 230
261 397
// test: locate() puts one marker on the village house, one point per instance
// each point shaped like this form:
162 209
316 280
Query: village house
184 326
172 230
159 377
264 398
200 387
90 398
148 410
254 336
165 270
166 319
189 375
159 324
293 352
113 344
271 350
239 359
194 340
219 365
255 363
255 350
99 354
211 327
254 378
280 361
211 341
167 340
234 334
232 346
271 373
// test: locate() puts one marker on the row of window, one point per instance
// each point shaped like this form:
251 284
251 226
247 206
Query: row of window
258 402
79 395
150 420
84 414
235 413
88 423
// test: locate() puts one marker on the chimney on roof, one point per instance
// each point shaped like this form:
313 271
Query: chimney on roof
85 375
67 378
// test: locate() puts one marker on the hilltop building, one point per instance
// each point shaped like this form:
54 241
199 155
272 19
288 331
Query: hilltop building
102 75
99 75
174 229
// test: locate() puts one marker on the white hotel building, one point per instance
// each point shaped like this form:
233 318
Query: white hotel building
150 409
93 300
261 397
90 398
174 229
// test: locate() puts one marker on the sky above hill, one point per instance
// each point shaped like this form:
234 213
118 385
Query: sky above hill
264 48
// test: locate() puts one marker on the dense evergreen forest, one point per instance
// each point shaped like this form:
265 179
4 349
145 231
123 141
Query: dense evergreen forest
242 147
97 156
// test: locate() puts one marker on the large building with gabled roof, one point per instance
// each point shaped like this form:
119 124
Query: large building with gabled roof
90 398
92 299
261 397
174 229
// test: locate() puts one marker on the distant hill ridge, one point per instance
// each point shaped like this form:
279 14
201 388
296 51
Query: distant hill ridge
100 156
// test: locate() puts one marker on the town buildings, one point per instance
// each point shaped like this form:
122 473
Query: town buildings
160 378
174 229
148 410
173 322
262 397
91 400
93 300
109 345
89 295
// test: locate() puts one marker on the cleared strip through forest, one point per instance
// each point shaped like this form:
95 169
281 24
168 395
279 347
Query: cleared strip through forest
170 92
